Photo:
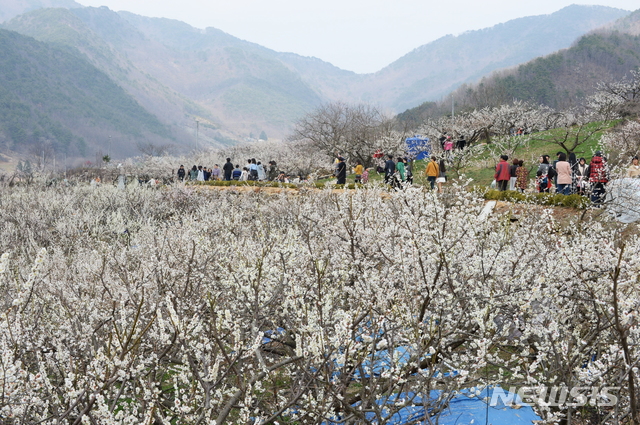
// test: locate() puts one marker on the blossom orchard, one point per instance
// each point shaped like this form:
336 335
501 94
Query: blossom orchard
183 306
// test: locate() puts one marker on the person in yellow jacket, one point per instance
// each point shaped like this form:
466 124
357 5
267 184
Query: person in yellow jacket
432 171
358 172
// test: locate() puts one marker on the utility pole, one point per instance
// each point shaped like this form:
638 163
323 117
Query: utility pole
109 152
197 130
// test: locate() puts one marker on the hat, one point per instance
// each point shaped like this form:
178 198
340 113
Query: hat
598 153
340 158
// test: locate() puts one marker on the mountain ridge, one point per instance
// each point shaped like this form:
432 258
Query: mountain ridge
234 87
13 8
477 48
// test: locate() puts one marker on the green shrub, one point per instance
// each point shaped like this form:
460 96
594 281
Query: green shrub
230 183
551 199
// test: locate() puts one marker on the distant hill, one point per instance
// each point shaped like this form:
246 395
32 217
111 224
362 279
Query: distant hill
247 88
630 24
242 82
564 78
181 74
12 8
64 28
437 68
235 86
53 95
560 80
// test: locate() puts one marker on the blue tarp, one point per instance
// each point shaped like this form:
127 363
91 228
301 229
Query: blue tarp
418 147
270 336
480 410
382 360
477 407
373 364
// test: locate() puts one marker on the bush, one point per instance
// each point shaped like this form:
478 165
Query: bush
551 199
230 183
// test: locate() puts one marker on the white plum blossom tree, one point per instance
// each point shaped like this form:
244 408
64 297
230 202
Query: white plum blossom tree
193 306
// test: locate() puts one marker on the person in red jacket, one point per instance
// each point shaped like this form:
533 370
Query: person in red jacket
598 177
503 173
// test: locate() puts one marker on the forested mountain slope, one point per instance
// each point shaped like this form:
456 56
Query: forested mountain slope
53 96
560 80
244 87
180 75
435 69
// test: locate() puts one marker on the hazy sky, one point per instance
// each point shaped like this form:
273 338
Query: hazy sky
361 36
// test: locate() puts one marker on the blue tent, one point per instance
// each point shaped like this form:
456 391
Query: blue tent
418 147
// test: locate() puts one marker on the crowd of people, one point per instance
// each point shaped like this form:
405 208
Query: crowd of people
396 172
569 175
399 172
252 171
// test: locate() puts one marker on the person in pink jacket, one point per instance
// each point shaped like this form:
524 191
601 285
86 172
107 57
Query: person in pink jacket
563 168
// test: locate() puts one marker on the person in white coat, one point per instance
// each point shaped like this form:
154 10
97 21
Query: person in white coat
262 175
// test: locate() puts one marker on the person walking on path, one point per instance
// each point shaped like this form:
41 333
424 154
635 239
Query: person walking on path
581 171
237 172
244 176
365 176
542 175
341 171
408 166
389 169
181 173
522 177
262 175
442 175
273 171
253 170
502 175
358 172
228 169
634 168
598 177
448 146
514 178
432 171
402 173
216 173
563 168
